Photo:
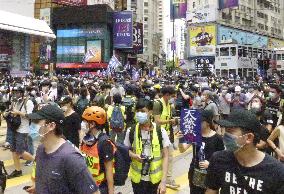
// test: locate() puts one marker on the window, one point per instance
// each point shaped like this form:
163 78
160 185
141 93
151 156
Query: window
217 52
233 51
224 51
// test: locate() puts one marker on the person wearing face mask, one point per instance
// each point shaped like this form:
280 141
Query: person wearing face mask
225 102
99 149
72 122
208 97
19 146
60 167
241 168
162 112
149 152
238 99
211 142
273 104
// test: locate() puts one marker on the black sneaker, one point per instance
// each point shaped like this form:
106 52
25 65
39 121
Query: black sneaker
15 174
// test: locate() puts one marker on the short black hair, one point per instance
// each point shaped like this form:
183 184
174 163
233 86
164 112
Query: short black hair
142 103
168 90
117 99
58 131
276 87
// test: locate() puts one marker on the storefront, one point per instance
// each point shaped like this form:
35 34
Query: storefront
84 39
16 32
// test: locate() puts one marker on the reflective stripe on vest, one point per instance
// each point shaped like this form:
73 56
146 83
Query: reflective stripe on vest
155 171
166 114
93 162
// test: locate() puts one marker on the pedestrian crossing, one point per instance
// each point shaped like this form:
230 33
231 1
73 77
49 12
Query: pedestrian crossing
26 178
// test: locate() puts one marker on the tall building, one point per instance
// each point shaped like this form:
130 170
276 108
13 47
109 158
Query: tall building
234 37
260 16
153 25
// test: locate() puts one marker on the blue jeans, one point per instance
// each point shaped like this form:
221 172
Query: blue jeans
9 136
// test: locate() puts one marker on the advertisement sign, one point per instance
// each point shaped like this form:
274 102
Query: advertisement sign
70 2
45 15
138 38
228 3
107 2
275 43
178 9
241 37
204 11
90 32
123 29
94 47
202 40
190 125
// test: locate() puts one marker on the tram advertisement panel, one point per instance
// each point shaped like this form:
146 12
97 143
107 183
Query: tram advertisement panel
202 40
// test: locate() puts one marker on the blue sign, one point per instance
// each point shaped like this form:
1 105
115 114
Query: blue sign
228 3
72 33
123 29
226 34
190 125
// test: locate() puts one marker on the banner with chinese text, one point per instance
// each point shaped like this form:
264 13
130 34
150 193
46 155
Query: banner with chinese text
190 125
123 29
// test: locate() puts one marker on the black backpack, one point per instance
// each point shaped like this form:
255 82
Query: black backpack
3 177
159 133
129 104
121 158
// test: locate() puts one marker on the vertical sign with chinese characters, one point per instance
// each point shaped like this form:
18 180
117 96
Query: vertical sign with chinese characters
190 125
123 29
138 38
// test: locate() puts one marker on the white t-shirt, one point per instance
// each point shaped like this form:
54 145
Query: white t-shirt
26 109
145 135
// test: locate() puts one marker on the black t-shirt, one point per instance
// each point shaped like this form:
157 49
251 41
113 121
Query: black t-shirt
63 172
72 125
227 174
273 108
212 145
105 152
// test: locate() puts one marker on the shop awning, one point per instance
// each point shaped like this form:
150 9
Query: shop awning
17 23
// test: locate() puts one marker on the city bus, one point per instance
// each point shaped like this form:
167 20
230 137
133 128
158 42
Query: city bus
243 60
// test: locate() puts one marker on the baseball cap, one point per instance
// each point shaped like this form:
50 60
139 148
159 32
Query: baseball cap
49 112
65 100
241 118
238 88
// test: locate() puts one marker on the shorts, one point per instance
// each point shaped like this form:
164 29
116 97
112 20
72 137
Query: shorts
19 142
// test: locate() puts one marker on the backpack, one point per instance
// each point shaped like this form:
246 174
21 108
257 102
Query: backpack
121 158
81 105
159 133
129 103
3 177
116 119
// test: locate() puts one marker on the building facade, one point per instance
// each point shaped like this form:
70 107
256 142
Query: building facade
253 28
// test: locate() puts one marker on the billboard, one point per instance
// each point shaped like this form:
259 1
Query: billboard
70 2
45 15
228 3
226 34
123 29
95 48
138 38
202 40
201 11
275 43
178 9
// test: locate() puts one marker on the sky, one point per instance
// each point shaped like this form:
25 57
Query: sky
22 7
